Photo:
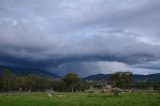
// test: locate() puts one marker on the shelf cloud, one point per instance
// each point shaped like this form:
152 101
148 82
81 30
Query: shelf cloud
87 37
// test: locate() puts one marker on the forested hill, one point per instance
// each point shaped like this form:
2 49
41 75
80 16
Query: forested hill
41 72
135 77
25 71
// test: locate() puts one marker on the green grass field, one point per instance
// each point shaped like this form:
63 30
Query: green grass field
81 99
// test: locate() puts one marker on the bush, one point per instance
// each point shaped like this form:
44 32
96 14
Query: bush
157 86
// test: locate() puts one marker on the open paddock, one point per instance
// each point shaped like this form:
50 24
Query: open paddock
79 99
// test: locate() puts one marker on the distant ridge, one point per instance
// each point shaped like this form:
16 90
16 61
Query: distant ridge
28 71
98 77
135 77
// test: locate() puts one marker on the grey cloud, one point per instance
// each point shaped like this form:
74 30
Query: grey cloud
69 33
103 67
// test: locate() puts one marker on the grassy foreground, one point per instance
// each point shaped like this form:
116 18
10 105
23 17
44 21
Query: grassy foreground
81 99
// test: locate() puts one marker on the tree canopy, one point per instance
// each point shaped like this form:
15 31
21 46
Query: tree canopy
71 79
121 79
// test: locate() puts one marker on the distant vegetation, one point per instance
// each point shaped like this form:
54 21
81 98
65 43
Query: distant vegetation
71 82
12 82
135 77
122 79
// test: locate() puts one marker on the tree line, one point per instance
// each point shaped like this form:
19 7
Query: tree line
70 83
125 80
13 82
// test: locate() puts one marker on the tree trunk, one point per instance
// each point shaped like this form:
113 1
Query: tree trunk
72 88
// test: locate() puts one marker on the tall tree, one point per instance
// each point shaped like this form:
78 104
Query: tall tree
8 80
121 79
71 80
157 86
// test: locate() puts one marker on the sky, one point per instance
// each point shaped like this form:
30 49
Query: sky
83 36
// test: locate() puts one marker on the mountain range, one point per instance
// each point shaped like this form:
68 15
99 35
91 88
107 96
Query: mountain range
27 71
135 77
41 72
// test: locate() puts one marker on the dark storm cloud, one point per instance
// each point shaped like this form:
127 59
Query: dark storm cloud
93 36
